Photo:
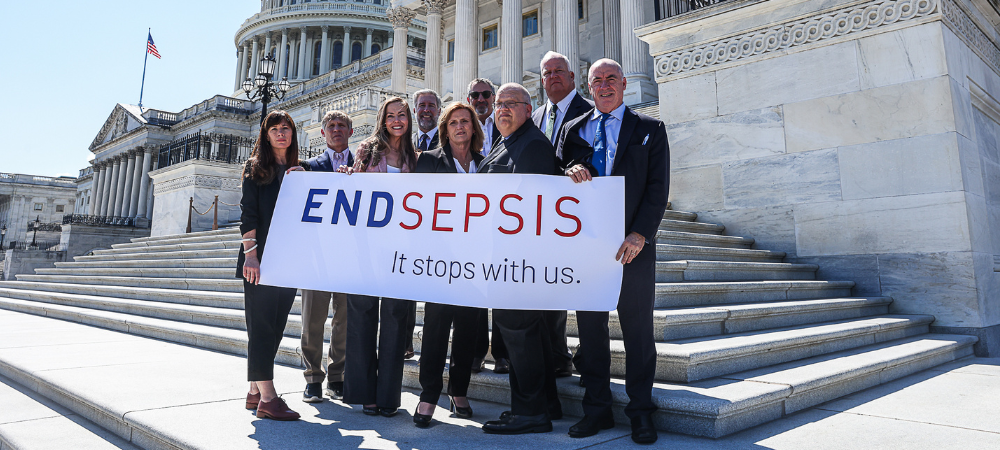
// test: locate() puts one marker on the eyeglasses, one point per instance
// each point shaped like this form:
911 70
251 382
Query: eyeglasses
509 104
475 95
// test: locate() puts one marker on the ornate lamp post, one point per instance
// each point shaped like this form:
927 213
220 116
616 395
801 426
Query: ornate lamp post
37 221
262 88
3 234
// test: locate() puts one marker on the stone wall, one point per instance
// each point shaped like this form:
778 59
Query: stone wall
79 239
174 186
861 136
26 261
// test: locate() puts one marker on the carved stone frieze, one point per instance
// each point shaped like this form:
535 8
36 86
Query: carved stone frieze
960 22
198 181
821 27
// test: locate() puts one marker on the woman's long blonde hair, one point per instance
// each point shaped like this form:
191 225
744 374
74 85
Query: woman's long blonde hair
371 151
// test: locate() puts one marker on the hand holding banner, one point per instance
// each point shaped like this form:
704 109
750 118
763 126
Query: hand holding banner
497 241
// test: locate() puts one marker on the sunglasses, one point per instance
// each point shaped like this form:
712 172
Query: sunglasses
475 95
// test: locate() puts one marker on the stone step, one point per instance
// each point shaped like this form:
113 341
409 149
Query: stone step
676 271
180 239
215 299
187 254
214 245
226 263
702 240
711 408
205 284
669 295
673 252
34 422
691 227
680 215
144 272
223 231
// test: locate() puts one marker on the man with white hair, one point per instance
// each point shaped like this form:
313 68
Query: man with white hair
614 140
426 109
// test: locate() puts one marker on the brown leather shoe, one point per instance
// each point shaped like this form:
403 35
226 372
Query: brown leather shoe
253 400
276 409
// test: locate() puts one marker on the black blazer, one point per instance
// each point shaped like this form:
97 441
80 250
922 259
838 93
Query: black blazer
257 205
430 145
321 162
642 157
526 150
577 107
441 160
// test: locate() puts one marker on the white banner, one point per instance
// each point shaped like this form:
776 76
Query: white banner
497 241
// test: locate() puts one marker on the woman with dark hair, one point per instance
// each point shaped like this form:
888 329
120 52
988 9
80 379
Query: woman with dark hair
373 373
266 307
460 133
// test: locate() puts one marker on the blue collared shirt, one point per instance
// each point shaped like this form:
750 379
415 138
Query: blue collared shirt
612 127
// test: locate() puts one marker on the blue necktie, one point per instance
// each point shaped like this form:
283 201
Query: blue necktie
601 146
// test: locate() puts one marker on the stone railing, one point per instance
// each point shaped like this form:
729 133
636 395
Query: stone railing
86 172
356 68
101 221
670 8
366 98
160 118
322 6
216 147
217 103
37 180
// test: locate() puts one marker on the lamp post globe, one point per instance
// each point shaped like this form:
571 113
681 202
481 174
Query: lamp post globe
263 88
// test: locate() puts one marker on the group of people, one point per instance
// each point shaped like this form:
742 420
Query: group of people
494 131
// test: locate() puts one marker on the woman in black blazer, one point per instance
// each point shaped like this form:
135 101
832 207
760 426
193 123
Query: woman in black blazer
460 134
266 307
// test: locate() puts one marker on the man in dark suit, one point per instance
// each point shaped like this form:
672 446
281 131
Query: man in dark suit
563 105
481 94
523 149
614 140
337 129
426 109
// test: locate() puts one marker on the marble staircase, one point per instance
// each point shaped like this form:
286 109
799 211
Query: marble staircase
742 338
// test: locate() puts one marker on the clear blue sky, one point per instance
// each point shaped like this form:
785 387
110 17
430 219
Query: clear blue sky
65 64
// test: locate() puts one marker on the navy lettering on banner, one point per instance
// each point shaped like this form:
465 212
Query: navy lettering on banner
351 212
310 205
372 223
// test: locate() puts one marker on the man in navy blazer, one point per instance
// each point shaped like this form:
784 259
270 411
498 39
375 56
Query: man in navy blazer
614 140
563 105
337 129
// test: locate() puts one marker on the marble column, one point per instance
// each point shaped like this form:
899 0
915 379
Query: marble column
120 186
512 65
149 201
282 57
133 207
324 50
432 65
255 58
400 17
241 59
612 32
346 57
105 187
127 192
367 51
568 34
144 184
303 41
293 59
466 66
267 45
108 209
95 191
635 55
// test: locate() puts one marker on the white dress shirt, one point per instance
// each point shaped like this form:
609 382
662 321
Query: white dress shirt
562 106
458 166
488 135
612 127
337 159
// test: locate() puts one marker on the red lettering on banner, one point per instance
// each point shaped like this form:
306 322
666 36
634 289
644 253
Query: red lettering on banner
420 218
437 211
559 211
503 209
468 208
538 221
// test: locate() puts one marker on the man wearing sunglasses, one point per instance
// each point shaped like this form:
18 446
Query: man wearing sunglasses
481 95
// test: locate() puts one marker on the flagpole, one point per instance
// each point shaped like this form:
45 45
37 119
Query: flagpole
146 58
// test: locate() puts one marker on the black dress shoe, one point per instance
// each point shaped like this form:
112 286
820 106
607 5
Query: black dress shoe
519 425
370 410
464 413
591 425
335 389
501 366
477 365
564 371
387 412
313 393
643 431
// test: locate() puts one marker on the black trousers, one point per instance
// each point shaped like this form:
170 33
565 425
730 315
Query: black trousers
555 321
593 359
532 375
373 372
266 308
484 343
411 323
438 320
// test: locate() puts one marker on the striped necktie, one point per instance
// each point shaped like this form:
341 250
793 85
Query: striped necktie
550 124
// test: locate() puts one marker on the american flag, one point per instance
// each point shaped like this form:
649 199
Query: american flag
151 47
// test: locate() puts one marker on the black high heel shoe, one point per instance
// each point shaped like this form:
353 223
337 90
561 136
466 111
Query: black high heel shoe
463 413
422 420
